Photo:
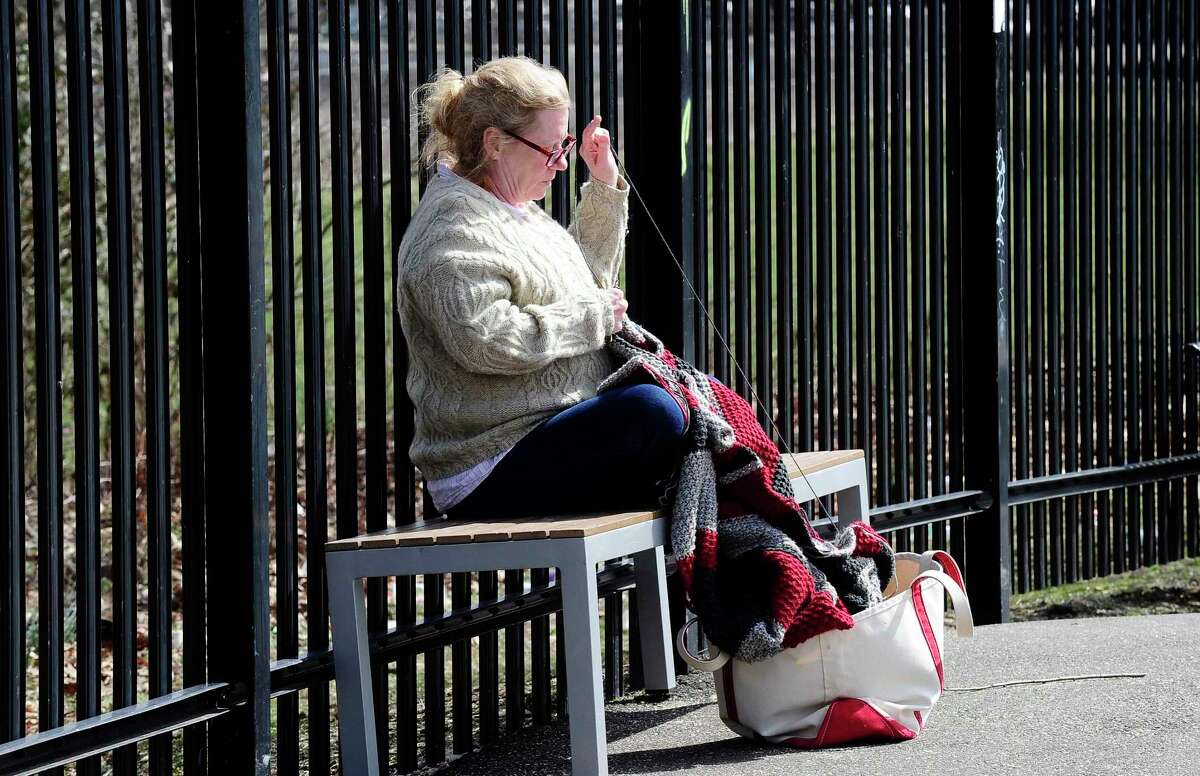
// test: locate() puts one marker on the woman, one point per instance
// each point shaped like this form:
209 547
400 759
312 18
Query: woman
506 313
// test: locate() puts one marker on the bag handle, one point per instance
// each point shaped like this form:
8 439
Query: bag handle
716 660
948 564
964 623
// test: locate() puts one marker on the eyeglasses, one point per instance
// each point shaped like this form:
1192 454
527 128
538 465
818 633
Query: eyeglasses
552 156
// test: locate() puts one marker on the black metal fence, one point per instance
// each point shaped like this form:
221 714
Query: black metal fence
983 274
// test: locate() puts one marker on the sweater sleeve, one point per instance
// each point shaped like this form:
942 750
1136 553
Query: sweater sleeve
599 227
467 298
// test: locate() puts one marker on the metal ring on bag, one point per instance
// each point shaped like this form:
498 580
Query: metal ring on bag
716 660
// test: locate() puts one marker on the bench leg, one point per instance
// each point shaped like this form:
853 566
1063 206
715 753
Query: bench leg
852 502
654 619
352 668
585 697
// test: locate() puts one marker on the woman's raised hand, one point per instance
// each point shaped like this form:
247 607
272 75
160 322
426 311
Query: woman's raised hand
619 305
596 149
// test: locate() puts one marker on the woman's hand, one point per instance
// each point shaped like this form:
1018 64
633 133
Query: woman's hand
596 149
619 305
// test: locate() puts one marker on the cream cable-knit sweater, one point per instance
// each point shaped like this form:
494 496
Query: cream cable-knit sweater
505 316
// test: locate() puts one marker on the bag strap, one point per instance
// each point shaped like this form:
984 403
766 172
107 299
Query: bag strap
948 564
716 660
963 621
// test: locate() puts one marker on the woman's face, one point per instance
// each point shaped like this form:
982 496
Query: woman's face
520 173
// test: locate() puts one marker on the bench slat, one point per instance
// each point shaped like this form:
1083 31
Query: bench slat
446 531
818 460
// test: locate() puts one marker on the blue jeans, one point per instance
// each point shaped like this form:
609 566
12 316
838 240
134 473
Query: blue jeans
612 452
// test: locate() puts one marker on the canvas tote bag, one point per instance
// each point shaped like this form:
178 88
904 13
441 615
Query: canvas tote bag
876 681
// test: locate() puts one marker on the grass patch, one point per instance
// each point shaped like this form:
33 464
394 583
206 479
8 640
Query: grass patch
1170 588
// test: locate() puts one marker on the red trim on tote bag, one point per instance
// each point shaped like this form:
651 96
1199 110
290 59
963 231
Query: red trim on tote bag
850 720
927 629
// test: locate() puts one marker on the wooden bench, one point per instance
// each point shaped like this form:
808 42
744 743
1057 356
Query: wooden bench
574 545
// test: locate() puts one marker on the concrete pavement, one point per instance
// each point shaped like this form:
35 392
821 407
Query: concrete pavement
1145 726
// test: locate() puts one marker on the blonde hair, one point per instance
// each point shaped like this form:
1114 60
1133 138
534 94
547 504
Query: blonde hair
502 93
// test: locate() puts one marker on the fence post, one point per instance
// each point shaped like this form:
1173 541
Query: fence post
659 154
982 117
234 323
12 408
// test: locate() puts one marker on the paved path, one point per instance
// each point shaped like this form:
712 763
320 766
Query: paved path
1144 726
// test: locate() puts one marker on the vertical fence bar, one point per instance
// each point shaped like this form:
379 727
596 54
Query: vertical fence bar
489 656
1117 214
1133 202
1114 258
44 205
1102 271
85 348
699 129
862 229
718 50
489 652
452 32
1037 270
804 221
508 27
235 369
1020 271
954 239
785 370
120 295
900 277
1054 263
1070 290
985 114
1162 200
533 30
312 288
824 255
481 32
287 736
345 395
584 101
1192 179
741 193
937 288
158 423
614 610
697 65
657 40
917 340
560 195
1175 547
719 47
1087 269
1146 284
560 198
399 89
12 420
762 213
881 280
845 318
345 361
374 322
191 371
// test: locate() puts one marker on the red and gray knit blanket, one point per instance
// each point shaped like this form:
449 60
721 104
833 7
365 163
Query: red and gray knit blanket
756 573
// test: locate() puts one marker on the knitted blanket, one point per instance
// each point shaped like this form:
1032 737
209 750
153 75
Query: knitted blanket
756 573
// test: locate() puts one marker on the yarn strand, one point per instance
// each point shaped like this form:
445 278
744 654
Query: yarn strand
716 332
1049 680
